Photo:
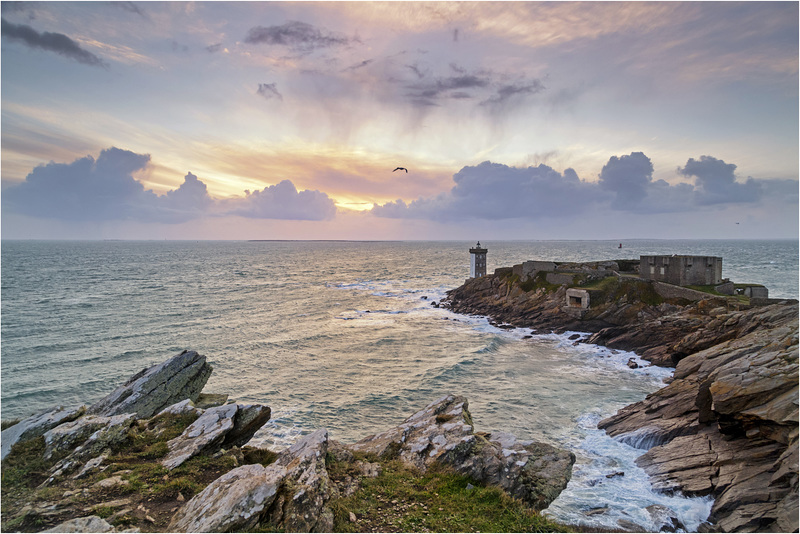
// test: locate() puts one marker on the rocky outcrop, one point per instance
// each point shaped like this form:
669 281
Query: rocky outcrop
442 434
728 425
151 390
227 425
289 494
36 425
292 493
725 426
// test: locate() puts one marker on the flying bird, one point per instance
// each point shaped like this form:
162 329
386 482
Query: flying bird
401 169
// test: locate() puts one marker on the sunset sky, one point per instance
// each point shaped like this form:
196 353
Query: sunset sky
515 120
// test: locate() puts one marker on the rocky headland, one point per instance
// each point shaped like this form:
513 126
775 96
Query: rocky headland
158 455
726 425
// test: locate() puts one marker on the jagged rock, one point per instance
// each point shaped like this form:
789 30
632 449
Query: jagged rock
289 494
209 400
235 501
727 425
665 517
155 388
300 505
182 407
91 523
230 424
91 432
248 420
204 434
442 433
36 425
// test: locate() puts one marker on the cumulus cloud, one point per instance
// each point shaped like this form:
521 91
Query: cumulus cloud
52 42
297 36
496 191
284 201
493 191
628 177
269 91
716 183
84 190
104 189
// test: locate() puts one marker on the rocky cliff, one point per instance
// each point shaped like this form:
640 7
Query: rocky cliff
726 425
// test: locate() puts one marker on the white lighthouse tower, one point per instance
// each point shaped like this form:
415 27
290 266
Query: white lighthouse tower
477 262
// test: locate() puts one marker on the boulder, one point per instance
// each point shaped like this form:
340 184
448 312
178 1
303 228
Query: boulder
36 425
442 433
89 430
87 438
289 494
151 390
91 523
203 435
226 425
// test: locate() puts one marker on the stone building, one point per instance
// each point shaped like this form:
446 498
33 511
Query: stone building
682 270
477 263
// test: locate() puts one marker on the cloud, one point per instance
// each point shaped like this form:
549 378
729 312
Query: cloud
496 191
84 190
53 42
492 191
129 7
716 183
269 91
104 189
284 201
297 36
211 49
628 177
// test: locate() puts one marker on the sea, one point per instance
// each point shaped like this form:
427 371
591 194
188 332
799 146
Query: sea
346 336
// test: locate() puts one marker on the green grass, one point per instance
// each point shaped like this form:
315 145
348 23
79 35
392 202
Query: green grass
402 499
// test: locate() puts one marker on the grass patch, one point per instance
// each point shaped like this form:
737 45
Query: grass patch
539 282
401 499
611 288
711 291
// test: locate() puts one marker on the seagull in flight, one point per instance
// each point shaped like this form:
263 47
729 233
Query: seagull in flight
401 169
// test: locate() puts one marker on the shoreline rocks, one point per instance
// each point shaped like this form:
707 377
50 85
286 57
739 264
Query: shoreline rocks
726 425
293 492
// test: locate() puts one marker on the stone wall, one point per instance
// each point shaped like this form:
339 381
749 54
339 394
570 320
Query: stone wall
560 279
669 291
682 270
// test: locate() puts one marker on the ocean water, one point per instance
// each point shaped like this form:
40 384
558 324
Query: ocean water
343 335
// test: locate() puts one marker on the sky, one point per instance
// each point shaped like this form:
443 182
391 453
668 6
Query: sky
512 120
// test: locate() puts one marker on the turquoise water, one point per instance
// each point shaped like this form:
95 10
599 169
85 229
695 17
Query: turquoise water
341 335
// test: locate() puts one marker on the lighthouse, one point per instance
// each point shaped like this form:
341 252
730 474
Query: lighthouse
477 263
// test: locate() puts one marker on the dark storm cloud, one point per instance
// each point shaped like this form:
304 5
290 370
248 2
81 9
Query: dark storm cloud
494 191
269 91
106 190
298 36
53 42
284 201
716 183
